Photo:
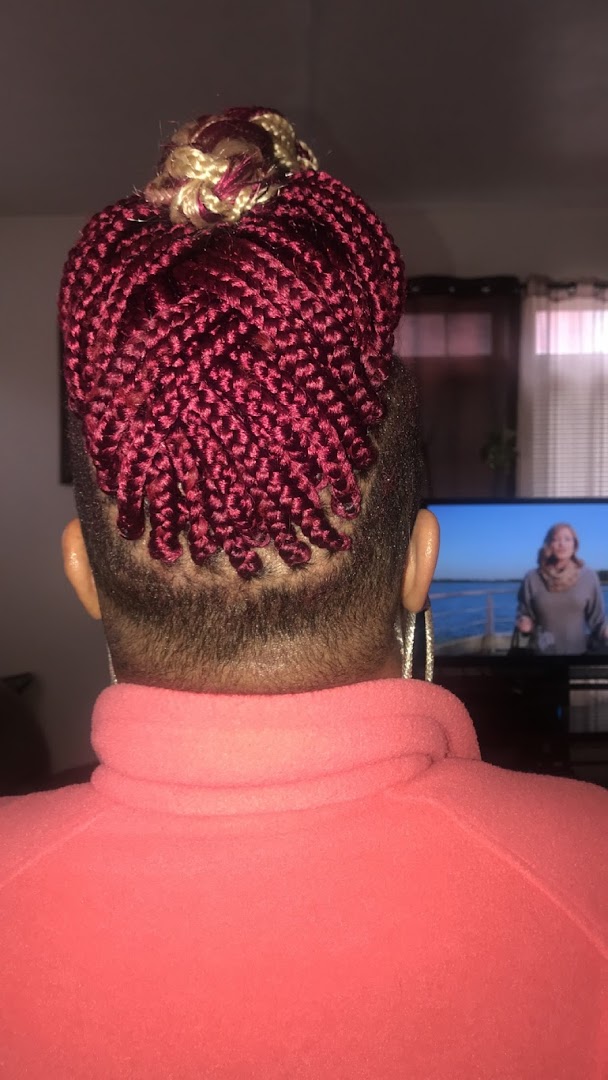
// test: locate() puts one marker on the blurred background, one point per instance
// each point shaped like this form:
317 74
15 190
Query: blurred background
476 130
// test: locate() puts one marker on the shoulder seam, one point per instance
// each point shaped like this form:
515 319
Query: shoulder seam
587 926
54 846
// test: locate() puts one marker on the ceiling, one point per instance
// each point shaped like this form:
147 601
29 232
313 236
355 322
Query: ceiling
408 100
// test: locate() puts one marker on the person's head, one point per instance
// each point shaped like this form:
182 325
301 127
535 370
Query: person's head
559 546
245 447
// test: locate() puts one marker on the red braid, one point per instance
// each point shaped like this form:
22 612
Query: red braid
226 374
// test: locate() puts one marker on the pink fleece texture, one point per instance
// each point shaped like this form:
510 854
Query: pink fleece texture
330 886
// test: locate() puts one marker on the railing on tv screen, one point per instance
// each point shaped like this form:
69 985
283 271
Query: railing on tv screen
483 623
470 619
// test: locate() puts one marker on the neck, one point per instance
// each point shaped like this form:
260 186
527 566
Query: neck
271 673
561 564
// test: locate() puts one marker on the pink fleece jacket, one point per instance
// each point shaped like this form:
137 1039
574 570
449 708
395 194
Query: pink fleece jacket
329 886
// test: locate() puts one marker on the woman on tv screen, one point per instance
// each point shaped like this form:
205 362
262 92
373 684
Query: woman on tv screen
560 603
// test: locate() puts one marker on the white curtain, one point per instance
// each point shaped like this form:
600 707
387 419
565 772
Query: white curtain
563 392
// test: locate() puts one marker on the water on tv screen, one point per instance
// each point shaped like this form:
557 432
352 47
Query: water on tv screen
529 576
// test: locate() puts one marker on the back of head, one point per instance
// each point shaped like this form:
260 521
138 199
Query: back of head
245 446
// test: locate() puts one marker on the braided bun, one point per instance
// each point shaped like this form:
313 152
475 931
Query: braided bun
218 167
228 378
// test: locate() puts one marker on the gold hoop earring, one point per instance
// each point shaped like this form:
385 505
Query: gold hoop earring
407 638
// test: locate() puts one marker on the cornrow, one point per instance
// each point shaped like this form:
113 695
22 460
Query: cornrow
227 335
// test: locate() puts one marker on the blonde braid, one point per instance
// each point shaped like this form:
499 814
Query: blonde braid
294 156
238 170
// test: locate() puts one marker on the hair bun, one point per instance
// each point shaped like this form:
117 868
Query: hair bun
218 167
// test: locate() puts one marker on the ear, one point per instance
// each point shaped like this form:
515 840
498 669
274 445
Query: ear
78 568
420 561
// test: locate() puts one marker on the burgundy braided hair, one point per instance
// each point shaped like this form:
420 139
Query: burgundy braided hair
226 372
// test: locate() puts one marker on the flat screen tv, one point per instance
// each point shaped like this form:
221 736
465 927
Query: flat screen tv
502 587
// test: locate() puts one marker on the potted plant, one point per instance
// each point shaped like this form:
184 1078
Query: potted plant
499 453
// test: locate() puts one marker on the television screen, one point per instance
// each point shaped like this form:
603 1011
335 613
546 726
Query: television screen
524 575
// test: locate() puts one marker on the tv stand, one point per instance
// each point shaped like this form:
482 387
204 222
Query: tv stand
529 710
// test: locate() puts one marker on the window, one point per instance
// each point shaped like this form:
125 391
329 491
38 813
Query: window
461 336
563 392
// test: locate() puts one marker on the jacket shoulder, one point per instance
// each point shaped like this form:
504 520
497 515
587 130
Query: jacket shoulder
32 825
553 830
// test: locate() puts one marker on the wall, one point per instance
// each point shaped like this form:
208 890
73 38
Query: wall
473 239
42 628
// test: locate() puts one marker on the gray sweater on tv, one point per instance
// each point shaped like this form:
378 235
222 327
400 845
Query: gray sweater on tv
565 622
